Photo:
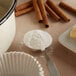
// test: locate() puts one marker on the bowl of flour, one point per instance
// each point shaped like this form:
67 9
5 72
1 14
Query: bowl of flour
37 39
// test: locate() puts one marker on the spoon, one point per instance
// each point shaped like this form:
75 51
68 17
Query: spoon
50 64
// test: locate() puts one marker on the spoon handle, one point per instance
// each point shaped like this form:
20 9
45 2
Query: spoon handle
51 66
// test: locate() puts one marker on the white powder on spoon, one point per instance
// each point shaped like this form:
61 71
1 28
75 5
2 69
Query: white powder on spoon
37 39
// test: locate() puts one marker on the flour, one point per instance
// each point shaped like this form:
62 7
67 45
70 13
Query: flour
37 39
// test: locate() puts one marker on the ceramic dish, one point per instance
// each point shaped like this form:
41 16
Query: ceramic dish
66 41
19 64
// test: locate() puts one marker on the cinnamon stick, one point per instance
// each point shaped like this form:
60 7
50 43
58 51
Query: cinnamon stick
52 13
67 7
57 10
43 12
37 10
23 6
24 11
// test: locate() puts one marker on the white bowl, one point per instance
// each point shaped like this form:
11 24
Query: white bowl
19 64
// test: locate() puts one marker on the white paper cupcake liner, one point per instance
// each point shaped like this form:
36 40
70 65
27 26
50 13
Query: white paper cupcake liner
19 64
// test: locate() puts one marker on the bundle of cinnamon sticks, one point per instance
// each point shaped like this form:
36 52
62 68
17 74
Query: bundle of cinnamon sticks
42 9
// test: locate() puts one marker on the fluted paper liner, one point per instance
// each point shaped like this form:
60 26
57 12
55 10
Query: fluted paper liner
19 64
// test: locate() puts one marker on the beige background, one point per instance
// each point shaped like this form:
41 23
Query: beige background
64 59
